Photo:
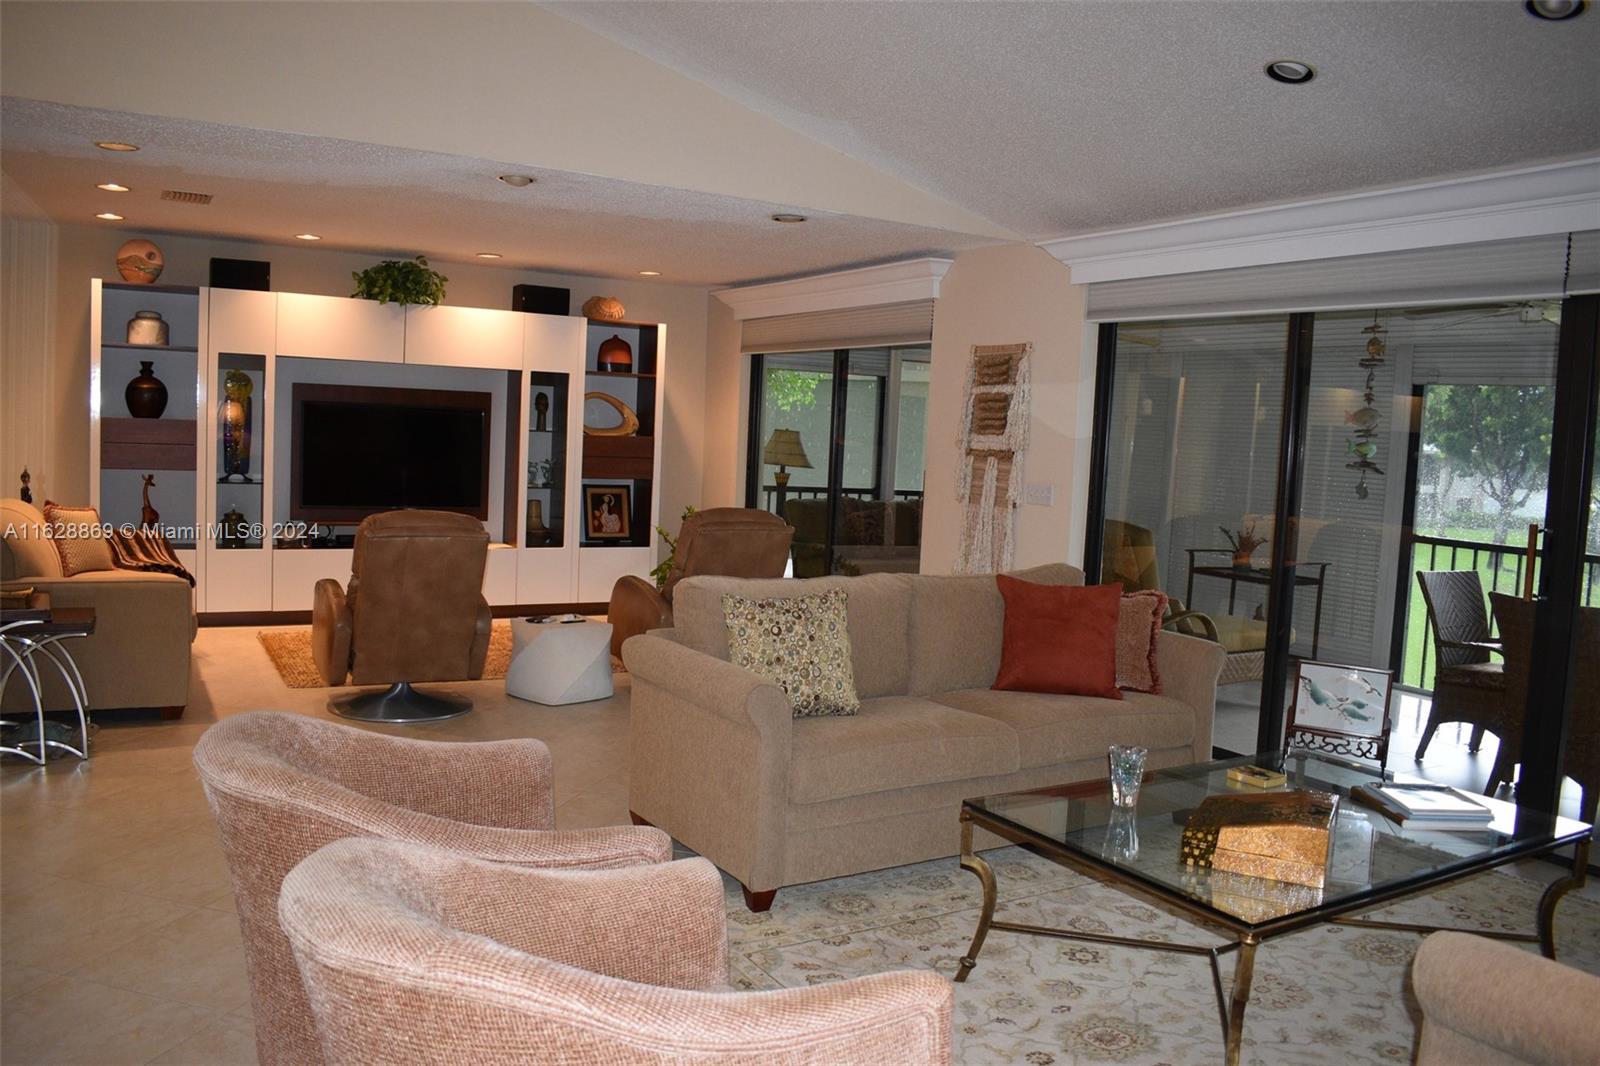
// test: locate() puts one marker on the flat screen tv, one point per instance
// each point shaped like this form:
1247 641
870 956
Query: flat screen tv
360 450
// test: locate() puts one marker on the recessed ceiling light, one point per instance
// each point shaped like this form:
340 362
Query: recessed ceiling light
109 216
112 186
116 146
785 217
488 255
1555 10
518 181
1290 71
649 273
307 237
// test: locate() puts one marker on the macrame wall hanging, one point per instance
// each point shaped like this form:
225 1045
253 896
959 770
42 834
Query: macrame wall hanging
994 433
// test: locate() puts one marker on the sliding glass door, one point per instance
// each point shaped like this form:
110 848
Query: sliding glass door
1407 455
837 451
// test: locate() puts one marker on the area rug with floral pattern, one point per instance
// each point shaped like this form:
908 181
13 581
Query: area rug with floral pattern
1332 994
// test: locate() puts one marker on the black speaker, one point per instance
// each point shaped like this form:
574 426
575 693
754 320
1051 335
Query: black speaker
241 274
541 299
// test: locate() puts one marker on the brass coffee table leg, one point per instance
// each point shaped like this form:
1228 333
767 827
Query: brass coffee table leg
1553 894
1243 974
977 864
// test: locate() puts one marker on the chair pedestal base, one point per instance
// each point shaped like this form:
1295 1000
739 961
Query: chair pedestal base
399 703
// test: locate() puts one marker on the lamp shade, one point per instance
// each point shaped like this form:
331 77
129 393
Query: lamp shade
784 449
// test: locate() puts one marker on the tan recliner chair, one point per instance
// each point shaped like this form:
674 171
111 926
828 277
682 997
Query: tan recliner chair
722 542
414 611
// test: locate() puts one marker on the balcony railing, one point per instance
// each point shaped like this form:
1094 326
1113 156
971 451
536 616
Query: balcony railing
1501 568
812 492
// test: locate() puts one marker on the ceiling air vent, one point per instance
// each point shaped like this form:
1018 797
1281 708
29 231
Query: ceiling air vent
178 196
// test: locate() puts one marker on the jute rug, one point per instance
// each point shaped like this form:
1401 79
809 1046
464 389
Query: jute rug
290 652
1328 995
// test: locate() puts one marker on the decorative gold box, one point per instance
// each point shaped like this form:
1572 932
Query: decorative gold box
1257 899
1284 836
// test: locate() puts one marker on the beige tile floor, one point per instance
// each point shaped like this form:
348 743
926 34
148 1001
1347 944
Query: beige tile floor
118 939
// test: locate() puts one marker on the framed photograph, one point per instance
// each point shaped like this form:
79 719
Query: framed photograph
608 511
1341 710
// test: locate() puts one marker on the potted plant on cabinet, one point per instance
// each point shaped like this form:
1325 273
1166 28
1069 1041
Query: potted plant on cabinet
408 281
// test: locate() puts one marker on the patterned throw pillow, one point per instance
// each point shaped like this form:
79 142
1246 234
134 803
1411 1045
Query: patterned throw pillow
800 642
79 538
1138 629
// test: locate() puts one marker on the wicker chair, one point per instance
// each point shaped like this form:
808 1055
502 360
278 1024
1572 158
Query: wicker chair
281 786
413 954
1582 761
1467 687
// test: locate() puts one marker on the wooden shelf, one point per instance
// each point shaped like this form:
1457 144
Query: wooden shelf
621 324
148 444
614 374
172 290
619 457
150 347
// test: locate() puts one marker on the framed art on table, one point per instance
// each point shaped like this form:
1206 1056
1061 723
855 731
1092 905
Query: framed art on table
1341 710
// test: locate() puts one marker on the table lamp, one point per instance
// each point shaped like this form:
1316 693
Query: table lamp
784 450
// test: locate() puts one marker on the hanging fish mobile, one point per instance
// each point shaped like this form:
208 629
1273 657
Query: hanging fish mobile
1362 446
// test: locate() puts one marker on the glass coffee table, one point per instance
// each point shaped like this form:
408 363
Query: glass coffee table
1375 861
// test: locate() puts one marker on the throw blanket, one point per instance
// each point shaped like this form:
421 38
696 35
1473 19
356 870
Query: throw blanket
144 550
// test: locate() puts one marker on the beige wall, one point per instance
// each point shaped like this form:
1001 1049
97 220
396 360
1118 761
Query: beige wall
1004 295
86 252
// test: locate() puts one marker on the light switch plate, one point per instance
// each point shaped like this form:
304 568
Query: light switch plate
1040 493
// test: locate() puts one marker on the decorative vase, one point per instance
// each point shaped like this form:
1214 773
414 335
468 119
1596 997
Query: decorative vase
538 532
1241 560
147 327
233 415
140 262
145 394
615 356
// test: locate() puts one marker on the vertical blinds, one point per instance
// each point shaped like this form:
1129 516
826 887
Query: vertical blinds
855 327
1527 268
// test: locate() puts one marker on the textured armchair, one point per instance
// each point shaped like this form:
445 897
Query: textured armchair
282 785
413 611
1582 758
725 541
1467 687
1486 1003
416 955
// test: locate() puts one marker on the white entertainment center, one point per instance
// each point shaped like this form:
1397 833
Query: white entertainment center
277 340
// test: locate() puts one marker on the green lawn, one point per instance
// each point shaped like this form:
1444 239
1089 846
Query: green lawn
1497 572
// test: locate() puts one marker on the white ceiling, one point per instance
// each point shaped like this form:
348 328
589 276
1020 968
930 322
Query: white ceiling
269 186
664 134
1061 118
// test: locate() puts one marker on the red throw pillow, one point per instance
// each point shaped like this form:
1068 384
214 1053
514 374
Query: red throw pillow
1059 638
1138 626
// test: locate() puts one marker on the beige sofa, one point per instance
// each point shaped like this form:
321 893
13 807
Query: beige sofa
138 655
718 760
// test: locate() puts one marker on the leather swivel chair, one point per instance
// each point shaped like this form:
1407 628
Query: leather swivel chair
413 612
721 541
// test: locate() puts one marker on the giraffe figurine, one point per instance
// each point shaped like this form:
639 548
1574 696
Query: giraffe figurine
149 517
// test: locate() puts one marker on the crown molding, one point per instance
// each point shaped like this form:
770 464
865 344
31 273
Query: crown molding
890 283
1554 198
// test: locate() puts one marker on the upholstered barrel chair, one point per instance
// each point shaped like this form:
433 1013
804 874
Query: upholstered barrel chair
724 541
413 612
1486 1003
412 954
281 786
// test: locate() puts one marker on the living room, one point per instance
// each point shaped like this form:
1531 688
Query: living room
726 326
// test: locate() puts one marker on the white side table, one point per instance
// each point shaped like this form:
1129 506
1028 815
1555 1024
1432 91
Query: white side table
559 663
